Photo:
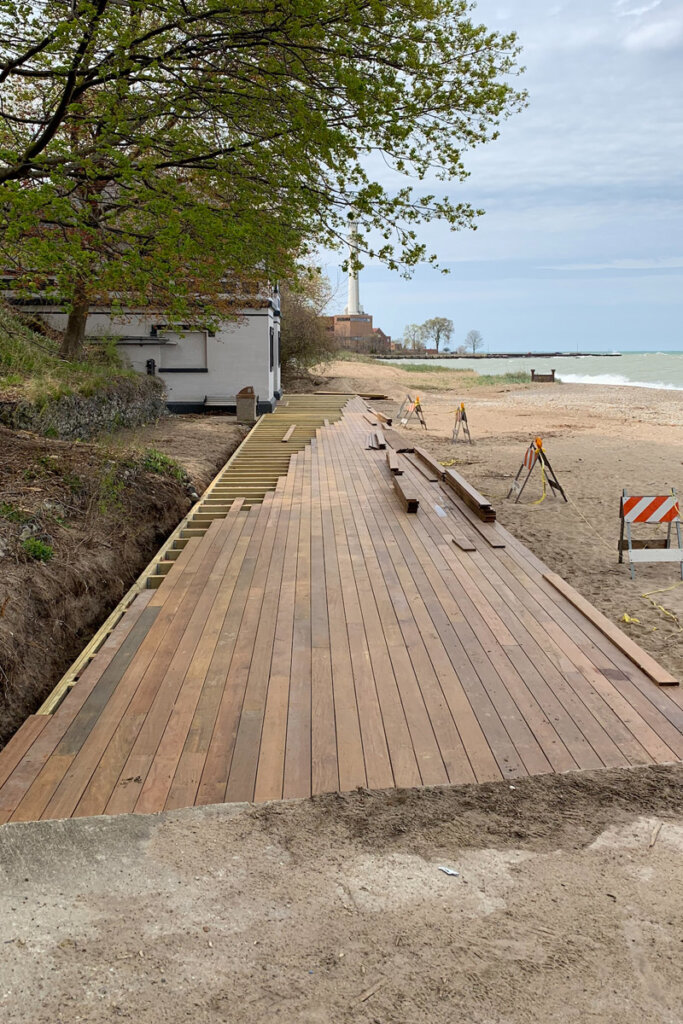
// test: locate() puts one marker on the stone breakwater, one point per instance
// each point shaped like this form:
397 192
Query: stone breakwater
123 402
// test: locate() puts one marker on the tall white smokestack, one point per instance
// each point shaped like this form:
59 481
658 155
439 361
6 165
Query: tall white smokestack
354 306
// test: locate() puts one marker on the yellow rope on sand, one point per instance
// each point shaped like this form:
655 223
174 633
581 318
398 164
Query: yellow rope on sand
660 607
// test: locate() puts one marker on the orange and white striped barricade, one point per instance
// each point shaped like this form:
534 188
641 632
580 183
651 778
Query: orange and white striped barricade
536 455
652 509
461 424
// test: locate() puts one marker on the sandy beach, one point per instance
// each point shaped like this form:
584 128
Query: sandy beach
599 440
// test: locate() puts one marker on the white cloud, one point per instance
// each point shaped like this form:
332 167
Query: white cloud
666 34
623 10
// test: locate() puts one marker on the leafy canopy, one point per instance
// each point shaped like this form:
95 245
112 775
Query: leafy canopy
148 147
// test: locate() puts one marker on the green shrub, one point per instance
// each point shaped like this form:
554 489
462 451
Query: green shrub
38 549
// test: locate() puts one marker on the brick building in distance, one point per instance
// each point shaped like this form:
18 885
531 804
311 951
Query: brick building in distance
356 333
353 329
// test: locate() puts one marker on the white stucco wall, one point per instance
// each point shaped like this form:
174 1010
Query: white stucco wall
193 364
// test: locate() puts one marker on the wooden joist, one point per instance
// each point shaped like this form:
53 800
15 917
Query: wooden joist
480 505
289 432
392 462
408 500
397 442
645 662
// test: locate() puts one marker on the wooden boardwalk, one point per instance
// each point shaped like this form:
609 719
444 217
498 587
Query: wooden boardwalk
326 639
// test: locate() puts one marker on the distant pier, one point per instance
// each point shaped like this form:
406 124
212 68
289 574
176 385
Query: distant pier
496 355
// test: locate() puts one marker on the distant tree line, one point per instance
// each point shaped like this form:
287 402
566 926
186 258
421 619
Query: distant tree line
436 332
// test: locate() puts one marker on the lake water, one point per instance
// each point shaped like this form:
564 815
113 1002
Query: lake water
637 369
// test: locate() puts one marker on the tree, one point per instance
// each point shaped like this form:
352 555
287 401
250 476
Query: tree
128 124
438 329
413 336
474 340
304 340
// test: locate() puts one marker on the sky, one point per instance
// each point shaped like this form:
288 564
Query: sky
581 246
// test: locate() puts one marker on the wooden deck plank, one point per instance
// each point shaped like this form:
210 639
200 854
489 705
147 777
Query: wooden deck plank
270 768
15 750
350 759
323 639
155 791
150 662
375 749
65 728
442 642
324 753
259 620
240 632
589 660
635 752
297 775
392 668
110 771
38 751
445 732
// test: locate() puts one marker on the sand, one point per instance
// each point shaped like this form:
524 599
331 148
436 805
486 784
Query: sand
599 440
567 907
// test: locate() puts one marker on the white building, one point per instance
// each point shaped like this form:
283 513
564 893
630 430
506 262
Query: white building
202 370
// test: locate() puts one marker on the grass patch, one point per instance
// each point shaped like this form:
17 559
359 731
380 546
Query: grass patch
491 379
38 549
13 514
156 462
111 490
31 370
430 368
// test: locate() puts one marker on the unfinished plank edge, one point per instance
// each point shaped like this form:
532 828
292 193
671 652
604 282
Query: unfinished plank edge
461 541
428 460
392 462
630 648
381 417
480 505
409 502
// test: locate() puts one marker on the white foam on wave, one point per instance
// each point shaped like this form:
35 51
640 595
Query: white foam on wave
614 380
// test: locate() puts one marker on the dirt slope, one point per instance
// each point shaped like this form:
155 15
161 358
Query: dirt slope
98 513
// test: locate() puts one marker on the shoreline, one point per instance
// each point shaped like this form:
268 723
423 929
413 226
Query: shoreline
655 377
503 355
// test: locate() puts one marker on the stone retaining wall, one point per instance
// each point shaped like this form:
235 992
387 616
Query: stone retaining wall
124 402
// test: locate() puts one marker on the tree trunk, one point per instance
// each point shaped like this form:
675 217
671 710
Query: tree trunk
72 342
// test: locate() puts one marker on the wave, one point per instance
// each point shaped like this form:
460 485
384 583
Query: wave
614 380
